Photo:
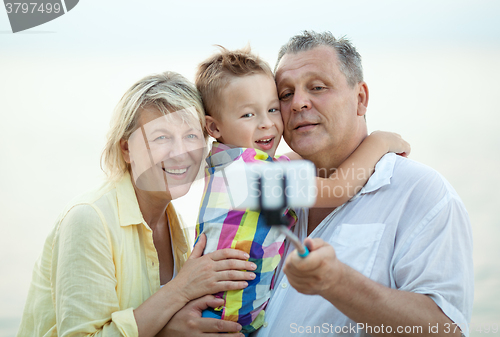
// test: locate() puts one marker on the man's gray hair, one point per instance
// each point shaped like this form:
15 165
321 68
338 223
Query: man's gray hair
349 58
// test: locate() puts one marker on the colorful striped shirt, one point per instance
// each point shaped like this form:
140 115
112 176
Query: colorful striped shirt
246 230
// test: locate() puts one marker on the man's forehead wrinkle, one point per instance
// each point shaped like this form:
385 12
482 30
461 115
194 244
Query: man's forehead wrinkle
298 63
301 60
287 74
288 58
295 78
327 56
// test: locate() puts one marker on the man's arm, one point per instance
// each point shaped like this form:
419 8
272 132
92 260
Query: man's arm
431 269
361 299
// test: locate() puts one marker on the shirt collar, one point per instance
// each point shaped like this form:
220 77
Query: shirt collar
129 212
382 175
221 154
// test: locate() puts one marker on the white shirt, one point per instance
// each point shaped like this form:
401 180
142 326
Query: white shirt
407 229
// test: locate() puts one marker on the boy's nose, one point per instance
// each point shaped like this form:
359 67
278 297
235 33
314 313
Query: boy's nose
266 122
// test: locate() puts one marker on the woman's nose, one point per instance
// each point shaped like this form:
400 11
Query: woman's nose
179 150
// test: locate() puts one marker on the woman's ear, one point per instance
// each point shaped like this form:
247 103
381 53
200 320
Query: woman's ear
125 150
363 96
212 127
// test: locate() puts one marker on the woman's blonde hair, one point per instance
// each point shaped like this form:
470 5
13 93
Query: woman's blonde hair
167 92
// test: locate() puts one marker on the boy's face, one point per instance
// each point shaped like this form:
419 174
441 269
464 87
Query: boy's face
250 114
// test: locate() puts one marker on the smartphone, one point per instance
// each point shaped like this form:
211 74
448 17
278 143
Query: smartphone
270 186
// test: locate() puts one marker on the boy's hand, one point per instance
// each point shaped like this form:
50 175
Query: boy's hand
392 141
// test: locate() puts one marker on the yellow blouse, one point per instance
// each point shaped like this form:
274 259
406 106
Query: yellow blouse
98 265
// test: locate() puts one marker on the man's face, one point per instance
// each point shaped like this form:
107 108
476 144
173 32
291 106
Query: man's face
321 112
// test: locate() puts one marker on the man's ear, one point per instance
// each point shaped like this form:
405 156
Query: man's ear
125 150
363 96
212 127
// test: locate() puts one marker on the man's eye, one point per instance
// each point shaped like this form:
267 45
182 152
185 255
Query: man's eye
285 96
318 88
247 115
160 138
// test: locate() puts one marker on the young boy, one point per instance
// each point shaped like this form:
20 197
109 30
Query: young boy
243 114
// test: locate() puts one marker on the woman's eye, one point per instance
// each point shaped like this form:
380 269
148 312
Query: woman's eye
192 136
247 115
160 138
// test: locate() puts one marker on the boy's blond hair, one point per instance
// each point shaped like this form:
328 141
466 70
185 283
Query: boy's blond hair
215 73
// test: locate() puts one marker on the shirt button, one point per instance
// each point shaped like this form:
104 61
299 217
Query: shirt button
283 285
265 325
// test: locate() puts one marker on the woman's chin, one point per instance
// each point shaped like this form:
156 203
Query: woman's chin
179 191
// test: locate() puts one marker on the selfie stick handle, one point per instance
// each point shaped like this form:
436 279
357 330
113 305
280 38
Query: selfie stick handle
301 249
273 217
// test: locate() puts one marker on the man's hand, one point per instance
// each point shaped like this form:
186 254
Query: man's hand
321 273
188 322
318 272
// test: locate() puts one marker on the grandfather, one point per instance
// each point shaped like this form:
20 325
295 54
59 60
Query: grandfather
396 258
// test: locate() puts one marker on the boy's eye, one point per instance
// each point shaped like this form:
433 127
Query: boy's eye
247 115
274 110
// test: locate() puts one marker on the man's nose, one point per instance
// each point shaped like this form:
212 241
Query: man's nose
300 101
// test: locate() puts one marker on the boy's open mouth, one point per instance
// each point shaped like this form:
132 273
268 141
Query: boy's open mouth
265 141
265 144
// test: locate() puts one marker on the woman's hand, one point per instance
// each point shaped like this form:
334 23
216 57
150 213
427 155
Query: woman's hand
188 322
212 273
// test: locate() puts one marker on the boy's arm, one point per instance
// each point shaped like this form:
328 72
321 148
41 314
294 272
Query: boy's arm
293 156
354 172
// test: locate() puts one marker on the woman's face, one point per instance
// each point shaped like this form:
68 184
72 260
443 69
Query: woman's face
166 151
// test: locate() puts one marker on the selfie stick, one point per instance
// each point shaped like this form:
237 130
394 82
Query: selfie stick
273 217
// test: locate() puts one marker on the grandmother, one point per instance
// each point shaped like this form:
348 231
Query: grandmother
116 263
